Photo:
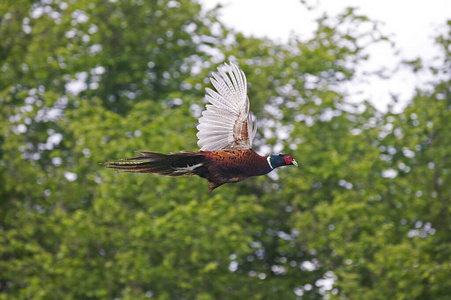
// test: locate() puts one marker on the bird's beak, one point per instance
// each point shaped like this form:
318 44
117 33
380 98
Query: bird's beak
294 163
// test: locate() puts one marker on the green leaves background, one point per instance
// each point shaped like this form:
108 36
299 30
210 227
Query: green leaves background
366 216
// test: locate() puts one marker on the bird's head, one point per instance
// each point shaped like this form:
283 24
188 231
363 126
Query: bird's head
279 160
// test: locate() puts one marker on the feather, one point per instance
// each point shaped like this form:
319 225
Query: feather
175 164
227 122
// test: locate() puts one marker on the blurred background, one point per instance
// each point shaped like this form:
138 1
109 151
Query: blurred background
366 216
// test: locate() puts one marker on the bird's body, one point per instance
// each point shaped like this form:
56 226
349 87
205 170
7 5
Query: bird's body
244 163
218 167
225 136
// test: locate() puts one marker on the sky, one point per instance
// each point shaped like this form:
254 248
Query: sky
412 25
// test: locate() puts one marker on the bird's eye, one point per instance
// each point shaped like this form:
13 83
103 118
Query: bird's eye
288 159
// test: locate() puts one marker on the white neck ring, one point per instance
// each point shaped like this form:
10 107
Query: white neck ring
269 162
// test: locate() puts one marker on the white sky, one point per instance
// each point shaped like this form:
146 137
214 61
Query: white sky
411 23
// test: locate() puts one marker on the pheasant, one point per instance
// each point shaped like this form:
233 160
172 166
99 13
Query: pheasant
225 135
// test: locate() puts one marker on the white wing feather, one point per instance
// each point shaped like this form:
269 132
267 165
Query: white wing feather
227 122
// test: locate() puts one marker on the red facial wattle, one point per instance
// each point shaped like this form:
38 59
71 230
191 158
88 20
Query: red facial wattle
288 159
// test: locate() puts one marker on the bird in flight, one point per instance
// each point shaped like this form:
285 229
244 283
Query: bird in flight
226 131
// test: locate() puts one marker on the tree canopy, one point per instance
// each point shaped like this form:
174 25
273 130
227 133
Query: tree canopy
366 216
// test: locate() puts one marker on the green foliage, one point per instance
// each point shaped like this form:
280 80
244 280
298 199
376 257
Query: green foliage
366 216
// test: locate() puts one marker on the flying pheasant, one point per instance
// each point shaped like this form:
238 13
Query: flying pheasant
226 132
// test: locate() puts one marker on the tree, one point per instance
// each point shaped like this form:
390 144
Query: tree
89 81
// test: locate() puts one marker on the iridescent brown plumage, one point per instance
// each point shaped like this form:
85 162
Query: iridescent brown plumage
218 167
226 131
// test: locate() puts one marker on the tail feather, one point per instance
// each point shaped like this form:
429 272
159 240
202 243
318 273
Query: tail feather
174 164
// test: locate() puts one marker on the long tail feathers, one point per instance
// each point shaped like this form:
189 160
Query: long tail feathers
174 164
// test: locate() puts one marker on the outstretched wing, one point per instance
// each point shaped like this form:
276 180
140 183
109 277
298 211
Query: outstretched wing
227 122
